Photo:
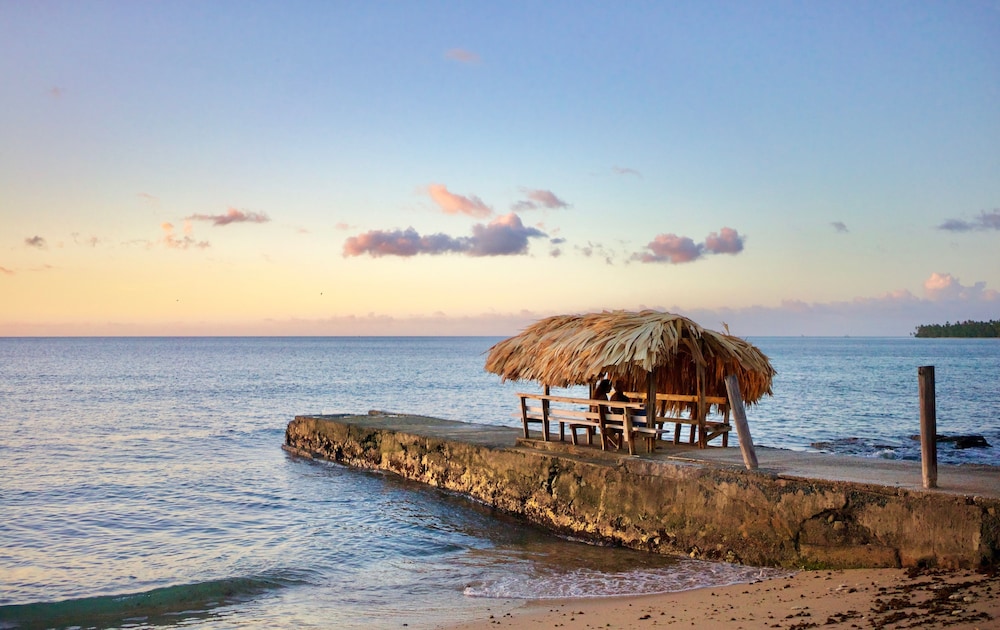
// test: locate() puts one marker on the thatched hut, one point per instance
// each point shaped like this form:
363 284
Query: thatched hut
649 352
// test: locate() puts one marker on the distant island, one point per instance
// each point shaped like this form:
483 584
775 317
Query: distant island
960 329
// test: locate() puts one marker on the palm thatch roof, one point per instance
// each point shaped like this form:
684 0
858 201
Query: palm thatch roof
570 350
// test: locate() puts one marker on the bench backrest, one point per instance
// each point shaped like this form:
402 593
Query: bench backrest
570 409
678 403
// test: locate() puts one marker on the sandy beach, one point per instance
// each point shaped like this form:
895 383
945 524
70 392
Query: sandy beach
863 598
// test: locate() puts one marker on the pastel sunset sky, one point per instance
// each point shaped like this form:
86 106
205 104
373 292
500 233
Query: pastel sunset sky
429 168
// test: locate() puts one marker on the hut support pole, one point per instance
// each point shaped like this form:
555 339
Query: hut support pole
740 420
702 411
545 414
928 426
650 399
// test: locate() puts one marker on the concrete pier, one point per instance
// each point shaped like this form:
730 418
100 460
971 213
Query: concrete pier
797 510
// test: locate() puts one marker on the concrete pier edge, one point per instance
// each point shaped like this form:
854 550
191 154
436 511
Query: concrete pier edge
696 503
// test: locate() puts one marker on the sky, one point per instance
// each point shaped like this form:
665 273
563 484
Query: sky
466 168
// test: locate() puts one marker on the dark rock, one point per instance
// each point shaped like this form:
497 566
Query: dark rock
960 441
965 441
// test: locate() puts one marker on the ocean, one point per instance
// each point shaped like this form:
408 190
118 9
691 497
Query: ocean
143 484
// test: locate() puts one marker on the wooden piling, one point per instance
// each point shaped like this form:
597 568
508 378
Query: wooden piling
740 420
928 426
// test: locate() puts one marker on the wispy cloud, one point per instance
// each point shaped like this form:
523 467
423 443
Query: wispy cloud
621 170
539 199
555 250
36 241
7 272
592 249
839 226
671 248
56 92
187 241
458 204
462 56
985 221
92 241
149 200
504 236
232 215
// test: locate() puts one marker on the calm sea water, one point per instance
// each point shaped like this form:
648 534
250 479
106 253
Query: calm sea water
142 481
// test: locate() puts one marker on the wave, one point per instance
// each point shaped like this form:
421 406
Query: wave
584 583
160 606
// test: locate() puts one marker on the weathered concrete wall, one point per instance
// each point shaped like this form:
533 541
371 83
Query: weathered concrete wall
676 507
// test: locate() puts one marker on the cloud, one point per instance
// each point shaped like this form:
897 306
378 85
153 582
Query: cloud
406 242
619 170
92 241
555 250
539 199
505 236
36 241
457 204
6 271
941 287
839 226
185 242
232 215
671 248
985 221
56 92
462 56
592 249
547 199
726 241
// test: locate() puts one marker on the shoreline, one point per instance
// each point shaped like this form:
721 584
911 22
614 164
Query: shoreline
849 598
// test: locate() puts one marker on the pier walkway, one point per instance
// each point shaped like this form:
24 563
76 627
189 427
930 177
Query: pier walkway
969 480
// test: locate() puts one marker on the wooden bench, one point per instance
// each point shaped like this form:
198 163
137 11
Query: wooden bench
615 422
703 430
622 423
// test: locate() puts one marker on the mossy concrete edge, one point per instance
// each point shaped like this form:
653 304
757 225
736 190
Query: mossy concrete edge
671 507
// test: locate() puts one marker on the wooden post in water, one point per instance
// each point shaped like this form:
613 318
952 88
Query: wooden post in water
928 425
740 420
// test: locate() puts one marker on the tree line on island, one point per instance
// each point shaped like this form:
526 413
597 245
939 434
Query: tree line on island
967 328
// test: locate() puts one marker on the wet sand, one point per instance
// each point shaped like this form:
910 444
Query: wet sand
862 598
